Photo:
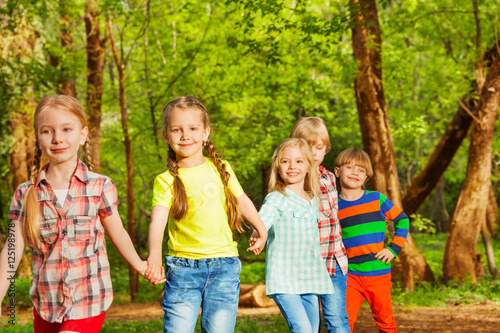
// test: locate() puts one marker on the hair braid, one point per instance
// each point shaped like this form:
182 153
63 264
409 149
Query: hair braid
31 228
179 199
233 214
88 154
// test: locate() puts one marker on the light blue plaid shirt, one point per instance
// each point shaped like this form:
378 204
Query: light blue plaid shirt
294 264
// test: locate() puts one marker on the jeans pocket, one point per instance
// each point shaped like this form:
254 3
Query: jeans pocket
170 266
237 268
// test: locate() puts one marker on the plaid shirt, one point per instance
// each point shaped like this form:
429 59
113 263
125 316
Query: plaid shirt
71 278
293 262
331 246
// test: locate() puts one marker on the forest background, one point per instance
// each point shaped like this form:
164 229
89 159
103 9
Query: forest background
414 83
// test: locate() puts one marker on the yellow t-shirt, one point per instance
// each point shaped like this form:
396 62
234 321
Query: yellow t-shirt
204 232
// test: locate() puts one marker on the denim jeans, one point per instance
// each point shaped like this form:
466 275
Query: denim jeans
300 311
212 284
334 305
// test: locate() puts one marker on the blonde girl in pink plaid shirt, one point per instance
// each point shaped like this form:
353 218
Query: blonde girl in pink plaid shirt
62 213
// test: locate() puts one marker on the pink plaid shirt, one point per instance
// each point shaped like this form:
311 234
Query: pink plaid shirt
330 234
71 278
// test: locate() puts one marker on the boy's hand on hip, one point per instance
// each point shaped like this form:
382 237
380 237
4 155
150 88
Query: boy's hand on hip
385 256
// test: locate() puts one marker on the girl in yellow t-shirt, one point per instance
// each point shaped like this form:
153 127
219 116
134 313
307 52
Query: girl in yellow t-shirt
202 202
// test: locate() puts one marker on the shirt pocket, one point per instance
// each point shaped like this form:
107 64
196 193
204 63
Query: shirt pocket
301 219
49 231
83 228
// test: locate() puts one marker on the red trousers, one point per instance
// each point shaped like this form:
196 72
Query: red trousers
88 325
377 291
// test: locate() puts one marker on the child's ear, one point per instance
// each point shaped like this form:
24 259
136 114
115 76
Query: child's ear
206 134
336 171
165 136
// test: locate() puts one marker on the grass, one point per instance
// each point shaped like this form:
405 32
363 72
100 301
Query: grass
435 294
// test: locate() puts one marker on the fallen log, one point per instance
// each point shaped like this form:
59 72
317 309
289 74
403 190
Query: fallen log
254 296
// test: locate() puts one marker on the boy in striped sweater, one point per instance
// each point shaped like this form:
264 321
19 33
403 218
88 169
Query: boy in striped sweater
363 216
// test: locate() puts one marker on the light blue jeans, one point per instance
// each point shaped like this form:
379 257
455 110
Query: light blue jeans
334 305
300 311
212 284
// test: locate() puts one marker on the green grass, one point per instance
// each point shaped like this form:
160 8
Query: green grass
245 324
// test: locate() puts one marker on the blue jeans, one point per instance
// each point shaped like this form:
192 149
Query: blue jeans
334 305
300 311
212 284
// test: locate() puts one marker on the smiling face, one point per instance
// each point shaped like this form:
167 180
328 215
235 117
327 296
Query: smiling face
60 133
186 133
351 176
293 166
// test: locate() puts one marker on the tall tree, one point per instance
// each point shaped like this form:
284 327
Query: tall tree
95 66
121 61
470 211
374 123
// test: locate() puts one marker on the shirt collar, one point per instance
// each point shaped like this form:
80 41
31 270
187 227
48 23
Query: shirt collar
81 172
322 171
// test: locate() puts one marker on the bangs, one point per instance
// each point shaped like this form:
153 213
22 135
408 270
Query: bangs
357 157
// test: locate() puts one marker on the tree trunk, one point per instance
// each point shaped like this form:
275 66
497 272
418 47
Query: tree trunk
470 211
427 179
95 68
133 275
374 124
491 213
21 157
490 257
254 296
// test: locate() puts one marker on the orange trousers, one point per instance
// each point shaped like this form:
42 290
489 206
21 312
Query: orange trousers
377 291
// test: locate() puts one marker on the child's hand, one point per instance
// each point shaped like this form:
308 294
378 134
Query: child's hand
385 256
257 242
155 273
142 268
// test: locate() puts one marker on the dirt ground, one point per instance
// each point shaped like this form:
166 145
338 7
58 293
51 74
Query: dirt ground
479 317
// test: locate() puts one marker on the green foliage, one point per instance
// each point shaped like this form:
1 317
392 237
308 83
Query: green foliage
422 224
28 328
253 273
437 295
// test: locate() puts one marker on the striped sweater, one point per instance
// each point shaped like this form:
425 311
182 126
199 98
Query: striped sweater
363 226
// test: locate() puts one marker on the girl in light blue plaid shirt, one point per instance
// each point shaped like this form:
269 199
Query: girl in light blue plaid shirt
295 271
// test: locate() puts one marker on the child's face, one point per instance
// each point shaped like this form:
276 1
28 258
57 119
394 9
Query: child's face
319 152
186 134
351 176
293 166
60 134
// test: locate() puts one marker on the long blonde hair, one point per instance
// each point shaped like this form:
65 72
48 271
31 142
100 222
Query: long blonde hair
31 225
180 204
311 181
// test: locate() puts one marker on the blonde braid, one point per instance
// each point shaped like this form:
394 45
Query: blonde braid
88 154
31 227
233 214
179 206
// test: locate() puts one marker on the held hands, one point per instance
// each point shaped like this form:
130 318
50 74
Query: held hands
257 242
154 273
385 256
